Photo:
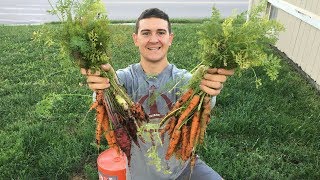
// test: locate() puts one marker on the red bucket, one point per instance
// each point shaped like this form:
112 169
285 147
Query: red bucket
112 165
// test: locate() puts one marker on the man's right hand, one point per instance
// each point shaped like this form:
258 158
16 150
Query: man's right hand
94 80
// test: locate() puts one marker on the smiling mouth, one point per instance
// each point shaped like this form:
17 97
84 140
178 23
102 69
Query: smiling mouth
154 48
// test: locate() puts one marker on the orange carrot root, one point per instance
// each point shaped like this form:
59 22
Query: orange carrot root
192 162
138 112
184 98
205 117
185 114
169 126
185 139
193 132
94 105
172 125
100 112
173 143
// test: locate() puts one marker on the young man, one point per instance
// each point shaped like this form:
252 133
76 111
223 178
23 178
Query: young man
155 83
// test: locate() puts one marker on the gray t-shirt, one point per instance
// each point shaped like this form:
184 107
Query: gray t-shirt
157 94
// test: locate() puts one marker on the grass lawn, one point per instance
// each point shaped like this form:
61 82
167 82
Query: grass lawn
46 132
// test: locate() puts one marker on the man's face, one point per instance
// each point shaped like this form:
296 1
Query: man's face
153 39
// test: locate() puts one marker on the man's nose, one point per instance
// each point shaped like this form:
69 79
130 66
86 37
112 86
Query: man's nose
154 38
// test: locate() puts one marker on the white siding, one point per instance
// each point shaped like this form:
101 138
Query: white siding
301 41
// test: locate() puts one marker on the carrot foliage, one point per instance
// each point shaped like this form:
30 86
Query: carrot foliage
239 42
84 34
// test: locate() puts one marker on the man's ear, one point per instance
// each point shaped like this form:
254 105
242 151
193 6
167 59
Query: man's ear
171 38
135 38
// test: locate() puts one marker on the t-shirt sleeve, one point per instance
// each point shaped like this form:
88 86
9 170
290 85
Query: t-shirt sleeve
123 77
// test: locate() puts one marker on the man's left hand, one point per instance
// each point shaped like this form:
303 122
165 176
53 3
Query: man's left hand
212 81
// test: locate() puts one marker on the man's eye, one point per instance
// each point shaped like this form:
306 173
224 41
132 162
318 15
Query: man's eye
145 33
161 32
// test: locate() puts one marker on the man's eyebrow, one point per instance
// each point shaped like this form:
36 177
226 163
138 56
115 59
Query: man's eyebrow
147 30
162 30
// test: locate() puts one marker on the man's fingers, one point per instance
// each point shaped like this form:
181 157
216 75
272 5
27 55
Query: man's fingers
213 85
88 72
215 77
227 72
212 92
94 80
106 67
97 79
97 82
95 87
212 70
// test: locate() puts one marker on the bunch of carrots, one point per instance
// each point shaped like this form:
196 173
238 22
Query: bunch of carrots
187 122
118 127
238 42
187 130
85 35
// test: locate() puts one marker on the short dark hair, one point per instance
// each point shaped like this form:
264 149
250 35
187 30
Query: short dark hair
153 13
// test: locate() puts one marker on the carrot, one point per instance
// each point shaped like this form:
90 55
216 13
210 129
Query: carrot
138 112
168 125
192 163
94 105
197 138
193 155
132 130
174 140
113 137
172 125
109 135
193 132
192 105
114 145
205 117
165 129
106 123
98 133
100 111
175 136
124 141
100 96
185 138
168 116
184 98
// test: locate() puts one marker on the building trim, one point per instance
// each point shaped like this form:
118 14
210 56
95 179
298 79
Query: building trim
302 14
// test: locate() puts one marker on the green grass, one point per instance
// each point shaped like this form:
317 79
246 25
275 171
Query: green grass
174 20
46 133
